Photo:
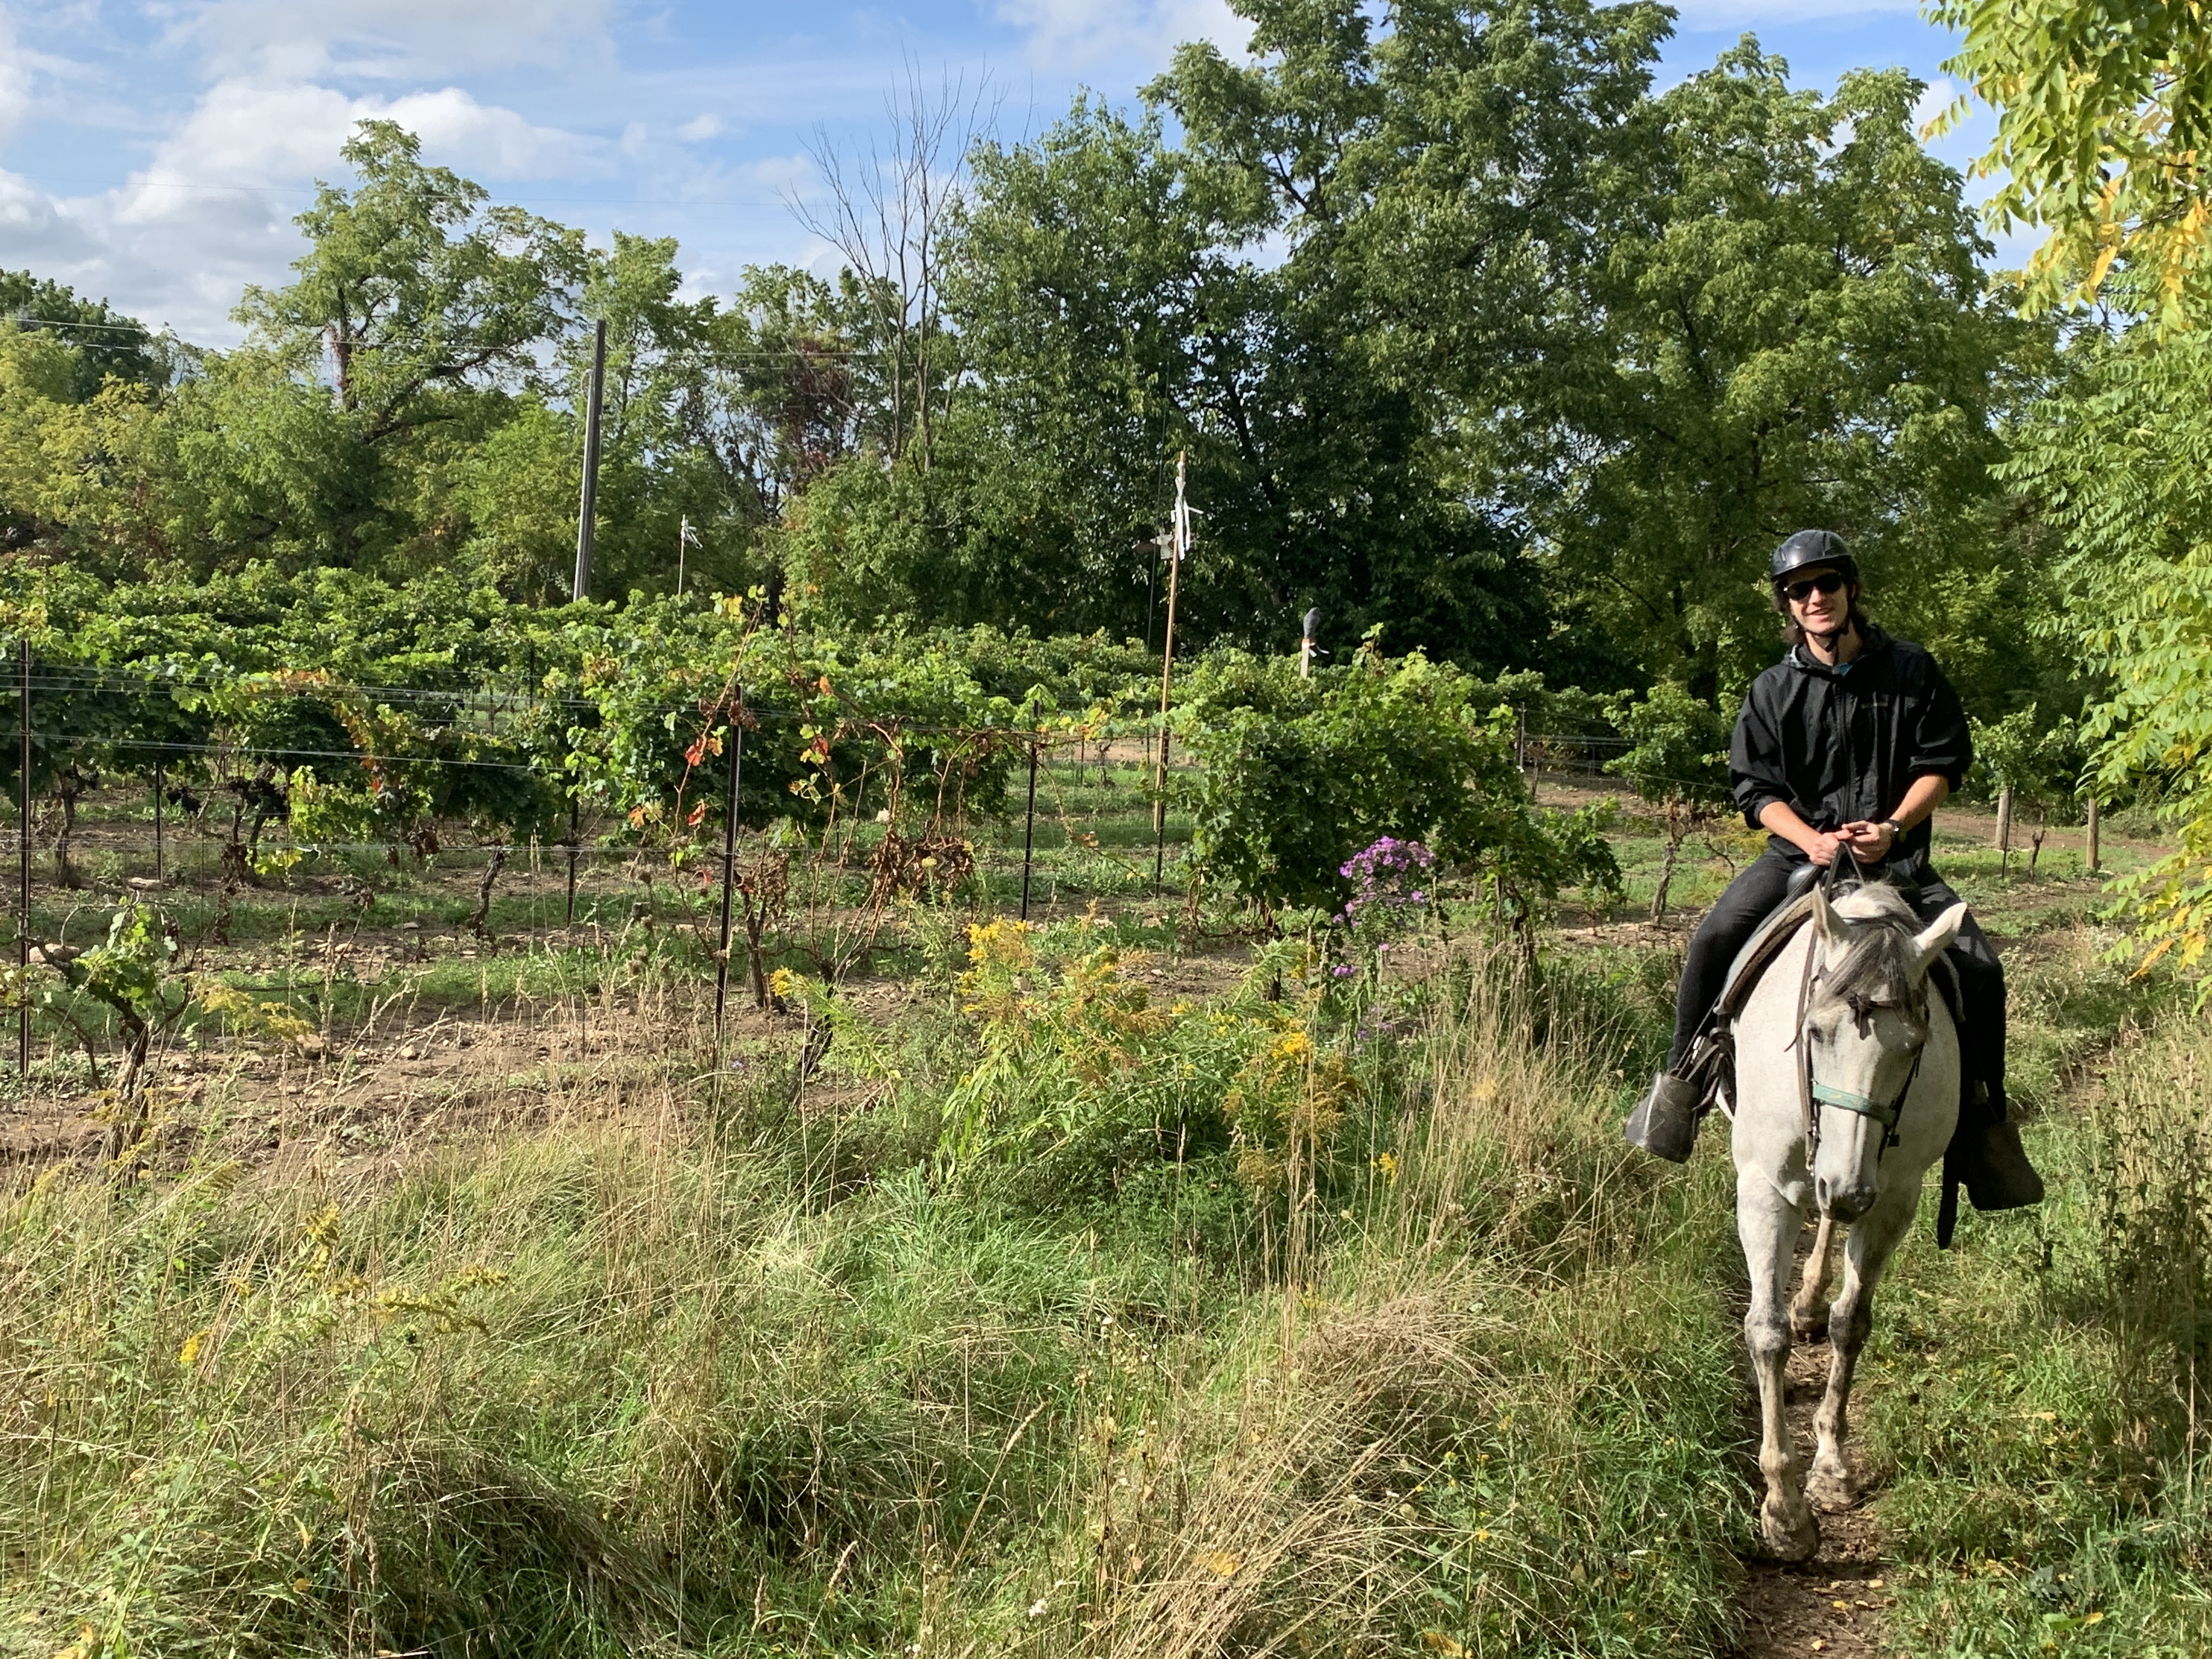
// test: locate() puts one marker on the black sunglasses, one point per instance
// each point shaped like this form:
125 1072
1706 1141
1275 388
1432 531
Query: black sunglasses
1827 582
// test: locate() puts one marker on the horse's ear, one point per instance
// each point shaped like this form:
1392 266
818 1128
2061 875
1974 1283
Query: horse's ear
1937 937
1824 917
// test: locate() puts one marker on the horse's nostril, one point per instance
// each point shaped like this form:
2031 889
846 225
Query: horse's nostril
1845 1203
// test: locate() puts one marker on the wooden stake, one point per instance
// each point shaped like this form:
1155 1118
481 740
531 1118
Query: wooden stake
23 857
573 834
588 513
1029 830
1181 530
2096 862
729 863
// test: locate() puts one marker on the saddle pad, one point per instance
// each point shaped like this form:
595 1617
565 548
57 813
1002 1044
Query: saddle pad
1781 927
1759 952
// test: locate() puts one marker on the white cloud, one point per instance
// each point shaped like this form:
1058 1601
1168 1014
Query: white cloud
298 39
700 128
213 209
1069 36
1939 97
261 138
784 173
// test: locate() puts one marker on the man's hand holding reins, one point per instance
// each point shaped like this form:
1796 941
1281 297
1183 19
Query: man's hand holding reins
1870 844
1780 818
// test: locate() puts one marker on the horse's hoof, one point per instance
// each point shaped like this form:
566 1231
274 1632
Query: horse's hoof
1831 1494
1809 1326
1789 1533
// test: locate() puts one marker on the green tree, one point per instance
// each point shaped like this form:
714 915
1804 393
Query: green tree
66 459
413 289
1241 295
1792 329
2122 467
416 315
2104 112
106 342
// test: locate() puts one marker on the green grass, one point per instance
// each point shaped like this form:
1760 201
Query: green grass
762 1382
1047 1318
2040 1392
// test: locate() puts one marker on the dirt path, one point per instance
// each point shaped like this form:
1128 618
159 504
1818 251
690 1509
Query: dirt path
1831 1605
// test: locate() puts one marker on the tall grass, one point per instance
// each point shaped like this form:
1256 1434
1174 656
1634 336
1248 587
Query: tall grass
2045 1395
1451 1375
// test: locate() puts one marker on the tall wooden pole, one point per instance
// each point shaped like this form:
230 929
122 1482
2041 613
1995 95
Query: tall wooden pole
2096 862
589 511
576 834
1029 830
157 817
729 862
1181 532
23 860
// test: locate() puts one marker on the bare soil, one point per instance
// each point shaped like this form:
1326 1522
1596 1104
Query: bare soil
1832 1604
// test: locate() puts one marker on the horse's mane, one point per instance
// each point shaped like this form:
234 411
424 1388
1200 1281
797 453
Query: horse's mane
1878 966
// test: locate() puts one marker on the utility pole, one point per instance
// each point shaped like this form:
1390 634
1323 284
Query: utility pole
1179 550
684 537
589 512
1306 644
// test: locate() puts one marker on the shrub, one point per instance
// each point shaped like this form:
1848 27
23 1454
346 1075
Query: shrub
1298 775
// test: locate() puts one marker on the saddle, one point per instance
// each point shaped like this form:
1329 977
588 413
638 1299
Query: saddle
1711 1060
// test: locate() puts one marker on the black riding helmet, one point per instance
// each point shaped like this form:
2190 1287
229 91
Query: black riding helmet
1809 549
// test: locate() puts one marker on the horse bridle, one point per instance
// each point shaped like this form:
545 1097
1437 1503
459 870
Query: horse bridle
1812 1096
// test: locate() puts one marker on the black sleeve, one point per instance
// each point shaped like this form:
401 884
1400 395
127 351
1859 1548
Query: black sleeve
1755 758
1936 741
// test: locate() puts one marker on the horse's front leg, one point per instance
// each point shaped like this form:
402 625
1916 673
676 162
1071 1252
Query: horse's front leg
1808 1314
1833 1486
1769 1227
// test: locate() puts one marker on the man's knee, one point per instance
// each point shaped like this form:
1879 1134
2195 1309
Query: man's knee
1748 901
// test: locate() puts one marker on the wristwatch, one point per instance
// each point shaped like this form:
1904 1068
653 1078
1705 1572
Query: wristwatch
1896 829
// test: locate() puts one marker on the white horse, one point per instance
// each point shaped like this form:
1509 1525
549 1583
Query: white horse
1846 1090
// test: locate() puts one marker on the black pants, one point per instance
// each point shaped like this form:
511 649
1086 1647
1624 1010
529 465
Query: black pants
1728 925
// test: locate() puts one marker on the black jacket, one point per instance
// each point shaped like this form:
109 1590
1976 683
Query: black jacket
1842 745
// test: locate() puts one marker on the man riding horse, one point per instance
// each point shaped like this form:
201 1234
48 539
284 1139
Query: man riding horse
1847 746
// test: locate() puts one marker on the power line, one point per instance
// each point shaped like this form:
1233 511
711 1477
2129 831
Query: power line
30 323
444 196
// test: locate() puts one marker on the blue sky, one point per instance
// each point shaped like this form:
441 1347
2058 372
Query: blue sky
154 151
